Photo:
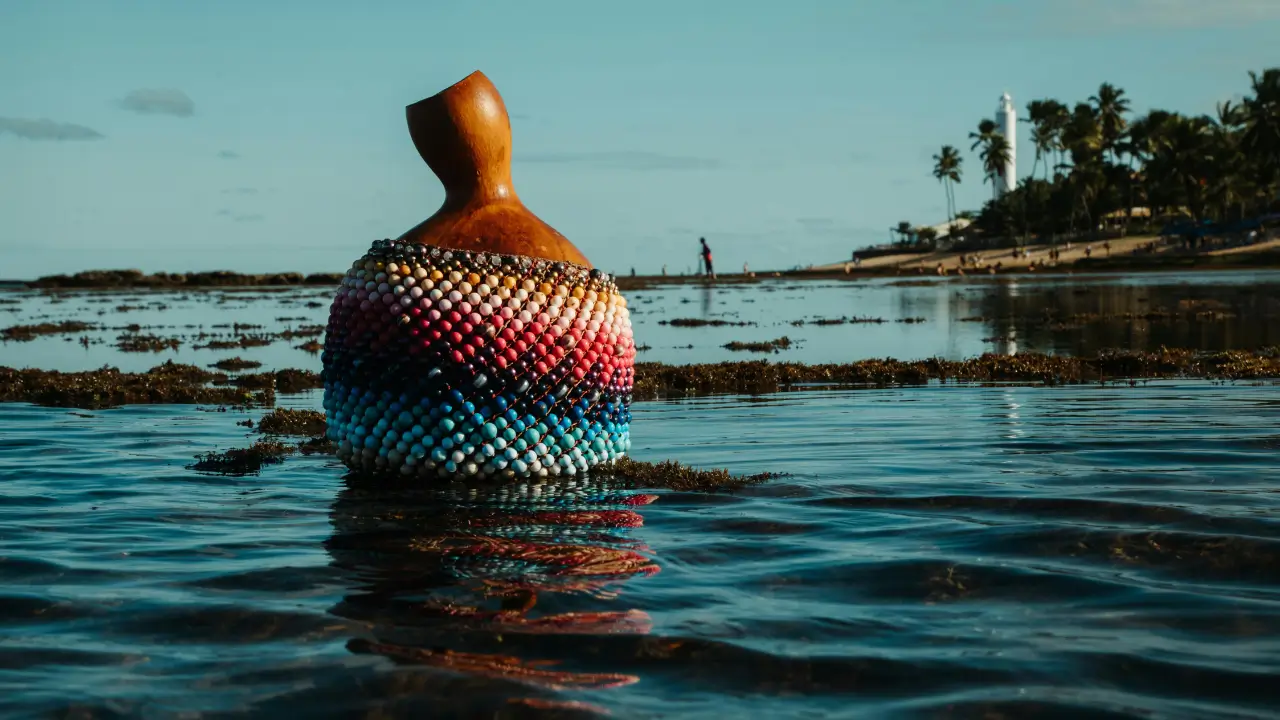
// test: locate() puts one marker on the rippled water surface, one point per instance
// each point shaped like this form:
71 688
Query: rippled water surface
953 551
904 318
939 551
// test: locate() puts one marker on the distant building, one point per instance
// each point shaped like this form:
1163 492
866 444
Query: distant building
1007 124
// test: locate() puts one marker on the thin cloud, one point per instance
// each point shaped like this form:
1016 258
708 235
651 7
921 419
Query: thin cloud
240 217
228 154
46 129
1094 16
830 227
166 101
623 160
240 191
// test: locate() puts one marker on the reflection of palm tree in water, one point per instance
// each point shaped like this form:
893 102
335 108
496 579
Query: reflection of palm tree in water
449 575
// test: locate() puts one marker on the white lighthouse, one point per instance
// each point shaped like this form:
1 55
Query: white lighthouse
1007 123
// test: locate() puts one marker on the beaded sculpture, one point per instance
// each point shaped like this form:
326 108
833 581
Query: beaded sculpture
449 363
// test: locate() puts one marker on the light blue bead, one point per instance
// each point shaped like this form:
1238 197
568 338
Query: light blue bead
489 430
439 455
448 424
519 466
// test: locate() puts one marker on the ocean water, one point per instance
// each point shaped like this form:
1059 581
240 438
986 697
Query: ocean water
937 551
955 551
953 318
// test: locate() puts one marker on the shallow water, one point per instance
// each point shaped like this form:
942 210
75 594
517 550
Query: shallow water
953 318
941 551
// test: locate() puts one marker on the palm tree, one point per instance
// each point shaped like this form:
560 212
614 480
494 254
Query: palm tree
1261 129
946 169
995 155
904 232
1109 108
1048 119
984 137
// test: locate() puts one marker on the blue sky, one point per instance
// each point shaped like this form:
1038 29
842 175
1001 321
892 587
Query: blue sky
261 136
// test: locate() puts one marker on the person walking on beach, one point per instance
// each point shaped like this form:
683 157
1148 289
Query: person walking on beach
706 258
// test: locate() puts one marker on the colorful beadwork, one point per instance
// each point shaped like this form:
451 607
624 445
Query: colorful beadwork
445 363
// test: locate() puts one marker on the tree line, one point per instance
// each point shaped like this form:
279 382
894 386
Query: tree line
1095 158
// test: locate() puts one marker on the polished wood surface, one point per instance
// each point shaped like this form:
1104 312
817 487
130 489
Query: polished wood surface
464 135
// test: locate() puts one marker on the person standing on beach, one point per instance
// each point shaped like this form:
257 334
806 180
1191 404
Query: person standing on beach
706 258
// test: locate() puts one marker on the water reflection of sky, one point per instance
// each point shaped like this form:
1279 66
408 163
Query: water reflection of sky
1013 312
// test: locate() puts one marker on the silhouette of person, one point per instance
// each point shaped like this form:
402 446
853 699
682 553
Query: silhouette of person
706 257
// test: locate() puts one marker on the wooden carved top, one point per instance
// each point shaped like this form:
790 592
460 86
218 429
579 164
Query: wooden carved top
464 135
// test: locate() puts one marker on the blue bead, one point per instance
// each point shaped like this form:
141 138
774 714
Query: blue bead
501 402
468 406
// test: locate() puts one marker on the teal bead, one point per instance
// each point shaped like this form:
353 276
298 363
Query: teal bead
489 431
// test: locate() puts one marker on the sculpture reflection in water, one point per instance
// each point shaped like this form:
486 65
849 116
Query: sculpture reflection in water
495 581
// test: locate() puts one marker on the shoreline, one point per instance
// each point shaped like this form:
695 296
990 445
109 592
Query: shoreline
1123 259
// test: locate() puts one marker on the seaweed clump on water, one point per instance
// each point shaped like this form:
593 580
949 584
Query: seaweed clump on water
164 384
655 380
235 364
131 342
698 322
284 421
781 343
217 278
25 333
243 461
672 475
285 381
242 342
